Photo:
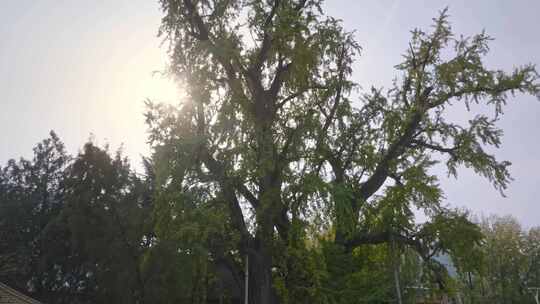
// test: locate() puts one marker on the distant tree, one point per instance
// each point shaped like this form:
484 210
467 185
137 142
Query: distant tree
269 135
100 230
506 267
532 251
31 196
74 229
510 264
505 260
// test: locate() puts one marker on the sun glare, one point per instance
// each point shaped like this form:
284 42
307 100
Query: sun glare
159 88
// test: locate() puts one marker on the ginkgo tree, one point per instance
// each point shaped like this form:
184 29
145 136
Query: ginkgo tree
273 143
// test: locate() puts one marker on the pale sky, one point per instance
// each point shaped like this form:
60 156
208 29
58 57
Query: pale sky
85 67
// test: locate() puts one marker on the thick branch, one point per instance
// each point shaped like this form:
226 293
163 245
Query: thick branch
227 190
218 172
279 78
197 19
204 36
398 147
226 184
301 4
267 39
416 244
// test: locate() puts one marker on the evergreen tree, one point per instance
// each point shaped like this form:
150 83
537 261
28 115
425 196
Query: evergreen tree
31 196
100 230
74 230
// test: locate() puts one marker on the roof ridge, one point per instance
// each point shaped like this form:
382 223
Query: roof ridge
18 295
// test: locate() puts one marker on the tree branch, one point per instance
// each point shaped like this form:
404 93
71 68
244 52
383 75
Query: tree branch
419 143
277 82
204 36
376 180
203 33
267 40
416 244
299 93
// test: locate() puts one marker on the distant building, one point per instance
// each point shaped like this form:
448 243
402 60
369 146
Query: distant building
11 296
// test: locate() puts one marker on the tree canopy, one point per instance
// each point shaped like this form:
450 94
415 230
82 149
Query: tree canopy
271 128
276 172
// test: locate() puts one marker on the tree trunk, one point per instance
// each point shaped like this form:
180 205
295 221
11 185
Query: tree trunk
261 289
395 265
260 257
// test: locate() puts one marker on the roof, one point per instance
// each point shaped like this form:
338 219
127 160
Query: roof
11 296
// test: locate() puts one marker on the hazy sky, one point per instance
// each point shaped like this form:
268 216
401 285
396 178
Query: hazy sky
85 67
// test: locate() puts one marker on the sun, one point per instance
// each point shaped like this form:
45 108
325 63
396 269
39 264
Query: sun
160 88
145 75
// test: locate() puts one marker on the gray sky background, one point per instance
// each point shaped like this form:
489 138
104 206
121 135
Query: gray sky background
85 67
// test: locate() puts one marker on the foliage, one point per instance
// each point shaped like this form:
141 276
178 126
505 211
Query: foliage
510 265
269 129
73 226
31 195
277 162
